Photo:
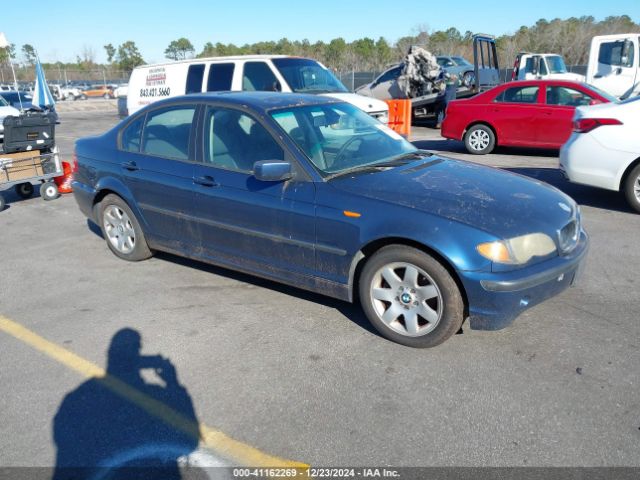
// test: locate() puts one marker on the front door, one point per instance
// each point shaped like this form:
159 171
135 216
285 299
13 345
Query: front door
256 225
617 66
555 119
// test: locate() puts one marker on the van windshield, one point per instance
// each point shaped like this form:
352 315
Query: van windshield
556 64
308 76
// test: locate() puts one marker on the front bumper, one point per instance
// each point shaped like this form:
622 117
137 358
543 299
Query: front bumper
497 299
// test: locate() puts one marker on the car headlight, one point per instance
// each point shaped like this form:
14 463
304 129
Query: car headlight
518 250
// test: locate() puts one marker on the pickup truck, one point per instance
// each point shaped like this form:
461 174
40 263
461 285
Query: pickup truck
542 66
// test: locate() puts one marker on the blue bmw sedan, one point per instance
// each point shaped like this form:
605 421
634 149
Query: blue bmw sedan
312 192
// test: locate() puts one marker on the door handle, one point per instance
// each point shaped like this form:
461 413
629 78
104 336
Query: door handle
597 75
131 166
205 181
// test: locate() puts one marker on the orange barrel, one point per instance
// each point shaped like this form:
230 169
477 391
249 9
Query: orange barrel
64 182
400 116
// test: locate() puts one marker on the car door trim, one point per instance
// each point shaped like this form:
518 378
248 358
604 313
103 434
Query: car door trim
246 231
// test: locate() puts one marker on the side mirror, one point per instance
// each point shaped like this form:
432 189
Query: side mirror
272 170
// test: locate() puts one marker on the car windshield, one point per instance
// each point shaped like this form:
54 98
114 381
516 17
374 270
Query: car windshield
556 64
340 138
308 76
461 61
3 102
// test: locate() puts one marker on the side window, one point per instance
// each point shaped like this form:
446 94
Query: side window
194 78
130 139
258 76
617 54
390 75
235 141
518 95
220 77
166 132
567 97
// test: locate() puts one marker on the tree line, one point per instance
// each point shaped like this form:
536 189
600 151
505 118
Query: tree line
569 37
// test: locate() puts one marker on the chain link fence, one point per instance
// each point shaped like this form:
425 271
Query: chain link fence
63 75
353 79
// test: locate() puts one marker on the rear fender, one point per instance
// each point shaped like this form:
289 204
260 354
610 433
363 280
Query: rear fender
107 185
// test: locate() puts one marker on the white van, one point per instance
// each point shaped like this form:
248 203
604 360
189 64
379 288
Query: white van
149 83
614 63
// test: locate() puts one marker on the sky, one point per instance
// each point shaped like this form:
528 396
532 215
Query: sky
72 26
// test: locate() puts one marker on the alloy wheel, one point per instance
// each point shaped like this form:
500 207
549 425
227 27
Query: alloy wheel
406 299
119 229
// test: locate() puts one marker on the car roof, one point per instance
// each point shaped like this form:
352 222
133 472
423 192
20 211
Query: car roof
259 101
209 59
531 83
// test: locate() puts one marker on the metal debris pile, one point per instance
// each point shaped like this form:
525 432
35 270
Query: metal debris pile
421 75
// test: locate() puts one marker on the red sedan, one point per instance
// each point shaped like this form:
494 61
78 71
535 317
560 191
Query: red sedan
535 113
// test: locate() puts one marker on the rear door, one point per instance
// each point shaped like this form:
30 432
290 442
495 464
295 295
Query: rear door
614 64
157 164
253 224
514 112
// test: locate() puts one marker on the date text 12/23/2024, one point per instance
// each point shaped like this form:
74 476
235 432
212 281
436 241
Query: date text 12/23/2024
315 472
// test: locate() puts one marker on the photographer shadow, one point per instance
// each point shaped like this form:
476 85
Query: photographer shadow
121 425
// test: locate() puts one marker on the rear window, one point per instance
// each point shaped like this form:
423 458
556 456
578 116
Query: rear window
519 95
130 140
194 78
220 77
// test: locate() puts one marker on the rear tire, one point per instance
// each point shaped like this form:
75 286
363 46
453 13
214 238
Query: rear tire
24 190
410 297
632 188
480 139
121 230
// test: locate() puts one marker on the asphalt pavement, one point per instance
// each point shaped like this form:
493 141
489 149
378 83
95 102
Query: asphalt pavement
300 377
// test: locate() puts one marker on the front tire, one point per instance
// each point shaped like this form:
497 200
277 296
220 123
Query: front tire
410 297
632 188
121 230
480 140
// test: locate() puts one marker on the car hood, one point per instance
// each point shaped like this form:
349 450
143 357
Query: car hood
368 104
500 203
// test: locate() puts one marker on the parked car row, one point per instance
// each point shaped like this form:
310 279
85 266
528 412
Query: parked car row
597 133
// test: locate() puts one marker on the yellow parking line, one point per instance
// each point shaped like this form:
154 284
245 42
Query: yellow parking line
209 437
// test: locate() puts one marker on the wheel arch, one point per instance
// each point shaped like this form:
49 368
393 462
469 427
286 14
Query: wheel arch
109 186
481 122
368 250
627 172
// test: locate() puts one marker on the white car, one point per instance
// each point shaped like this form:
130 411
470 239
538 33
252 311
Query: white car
604 149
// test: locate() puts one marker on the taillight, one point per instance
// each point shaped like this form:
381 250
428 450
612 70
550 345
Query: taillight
75 162
584 125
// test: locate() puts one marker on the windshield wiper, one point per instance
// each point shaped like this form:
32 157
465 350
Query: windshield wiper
397 161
